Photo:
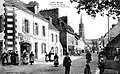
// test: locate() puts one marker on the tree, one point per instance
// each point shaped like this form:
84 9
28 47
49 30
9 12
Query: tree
92 7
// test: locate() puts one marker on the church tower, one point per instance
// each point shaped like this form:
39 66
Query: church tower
81 28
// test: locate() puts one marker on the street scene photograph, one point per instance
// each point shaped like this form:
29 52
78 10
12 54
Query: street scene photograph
59 36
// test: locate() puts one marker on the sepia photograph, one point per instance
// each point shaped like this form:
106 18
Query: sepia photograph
59 36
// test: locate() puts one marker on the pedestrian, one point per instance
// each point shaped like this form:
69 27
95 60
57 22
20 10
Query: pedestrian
56 62
31 58
4 57
16 58
101 65
9 57
88 57
87 69
25 58
67 63
13 57
46 57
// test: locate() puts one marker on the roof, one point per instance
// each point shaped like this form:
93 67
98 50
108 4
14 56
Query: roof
23 6
51 27
113 32
67 27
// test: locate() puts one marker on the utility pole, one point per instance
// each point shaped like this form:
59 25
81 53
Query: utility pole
108 27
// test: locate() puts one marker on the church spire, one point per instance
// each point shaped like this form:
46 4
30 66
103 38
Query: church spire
81 28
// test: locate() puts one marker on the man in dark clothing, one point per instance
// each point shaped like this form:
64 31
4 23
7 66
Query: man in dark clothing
31 58
88 57
67 63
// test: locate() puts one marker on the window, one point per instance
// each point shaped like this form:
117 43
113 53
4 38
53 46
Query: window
43 48
52 37
25 26
56 38
43 30
56 49
36 50
35 29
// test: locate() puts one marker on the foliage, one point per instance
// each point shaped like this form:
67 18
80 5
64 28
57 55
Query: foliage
92 7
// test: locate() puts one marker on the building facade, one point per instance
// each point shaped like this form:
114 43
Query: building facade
66 32
24 29
54 44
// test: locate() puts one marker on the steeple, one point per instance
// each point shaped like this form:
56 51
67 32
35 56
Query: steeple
81 28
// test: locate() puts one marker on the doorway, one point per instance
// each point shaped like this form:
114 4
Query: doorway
25 47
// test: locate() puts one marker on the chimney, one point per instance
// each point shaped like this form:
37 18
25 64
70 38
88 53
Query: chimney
34 7
113 25
50 19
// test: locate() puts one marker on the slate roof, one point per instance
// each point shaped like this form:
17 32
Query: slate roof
52 27
23 6
67 27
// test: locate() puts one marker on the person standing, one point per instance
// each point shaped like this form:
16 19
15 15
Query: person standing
87 69
31 58
67 63
25 58
56 62
16 58
4 57
9 57
88 57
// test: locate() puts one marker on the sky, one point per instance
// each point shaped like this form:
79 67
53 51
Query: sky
93 28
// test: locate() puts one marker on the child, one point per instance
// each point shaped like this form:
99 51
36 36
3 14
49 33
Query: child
67 63
87 69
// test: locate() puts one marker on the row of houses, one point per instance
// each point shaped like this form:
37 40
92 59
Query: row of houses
24 28
111 40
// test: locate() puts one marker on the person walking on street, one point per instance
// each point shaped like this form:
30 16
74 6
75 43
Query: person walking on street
67 63
87 69
31 58
56 62
88 57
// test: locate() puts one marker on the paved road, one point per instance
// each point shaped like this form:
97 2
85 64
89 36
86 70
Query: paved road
77 67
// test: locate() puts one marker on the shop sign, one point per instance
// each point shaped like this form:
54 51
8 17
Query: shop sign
23 37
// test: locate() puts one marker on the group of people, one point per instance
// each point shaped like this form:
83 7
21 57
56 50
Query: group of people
12 58
24 58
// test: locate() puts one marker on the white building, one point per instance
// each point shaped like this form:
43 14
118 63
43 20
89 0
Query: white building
25 29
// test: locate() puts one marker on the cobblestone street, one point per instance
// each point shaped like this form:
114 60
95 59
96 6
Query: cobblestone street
78 65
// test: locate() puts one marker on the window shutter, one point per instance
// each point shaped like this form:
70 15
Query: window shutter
28 27
23 25
33 28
